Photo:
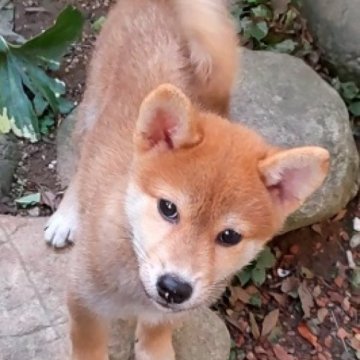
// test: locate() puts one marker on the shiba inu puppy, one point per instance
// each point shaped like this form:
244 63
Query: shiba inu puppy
169 198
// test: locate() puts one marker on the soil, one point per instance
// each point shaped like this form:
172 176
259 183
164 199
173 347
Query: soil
37 169
314 258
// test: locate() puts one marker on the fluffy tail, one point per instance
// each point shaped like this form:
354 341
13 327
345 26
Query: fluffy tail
212 42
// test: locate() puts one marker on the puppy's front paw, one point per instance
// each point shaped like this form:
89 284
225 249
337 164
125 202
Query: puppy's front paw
60 229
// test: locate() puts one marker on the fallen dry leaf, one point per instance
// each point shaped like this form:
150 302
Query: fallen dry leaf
252 290
306 273
290 284
279 6
322 314
340 215
270 322
238 293
317 291
243 325
50 199
233 322
355 344
306 299
281 353
240 341
346 304
344 235
254 326
295 249
342 334
355 300
339 281
335 297
328 341
322 301
280 298
260 350
328 355
317 228
305 332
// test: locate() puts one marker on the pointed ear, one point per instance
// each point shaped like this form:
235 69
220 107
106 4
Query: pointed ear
291 176
166 120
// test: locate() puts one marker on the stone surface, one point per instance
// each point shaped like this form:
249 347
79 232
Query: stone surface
336 26
7 22
9 156
33 317
290 105
66 149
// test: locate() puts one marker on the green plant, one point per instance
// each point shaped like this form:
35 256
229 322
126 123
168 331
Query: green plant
270 24
256 271
350 92
29 97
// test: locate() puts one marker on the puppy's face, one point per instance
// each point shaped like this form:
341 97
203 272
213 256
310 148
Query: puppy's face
204 197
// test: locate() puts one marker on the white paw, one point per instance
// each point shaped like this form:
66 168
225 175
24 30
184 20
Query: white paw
60 229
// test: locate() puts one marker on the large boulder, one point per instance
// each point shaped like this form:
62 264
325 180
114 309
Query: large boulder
291 105
336 26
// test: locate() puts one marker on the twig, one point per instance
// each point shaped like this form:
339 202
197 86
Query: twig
36 9
325 283
337 326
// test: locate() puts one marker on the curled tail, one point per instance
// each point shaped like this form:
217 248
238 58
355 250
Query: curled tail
212 42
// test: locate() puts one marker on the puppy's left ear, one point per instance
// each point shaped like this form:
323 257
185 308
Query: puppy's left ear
166 121
291 176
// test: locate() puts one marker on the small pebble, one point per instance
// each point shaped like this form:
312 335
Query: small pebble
34 212
355 241
356 224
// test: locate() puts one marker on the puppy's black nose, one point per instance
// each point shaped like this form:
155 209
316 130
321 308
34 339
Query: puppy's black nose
173 290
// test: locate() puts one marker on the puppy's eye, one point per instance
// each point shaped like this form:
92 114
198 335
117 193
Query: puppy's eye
229 237
168 210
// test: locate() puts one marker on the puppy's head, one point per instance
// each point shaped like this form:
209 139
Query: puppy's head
205 195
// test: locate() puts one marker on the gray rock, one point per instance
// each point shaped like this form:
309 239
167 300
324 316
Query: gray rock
66 149
32 305
7 22
290 105
336 26
9 156
196 334
203 336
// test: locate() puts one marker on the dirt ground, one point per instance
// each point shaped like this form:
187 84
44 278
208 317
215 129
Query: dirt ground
307 305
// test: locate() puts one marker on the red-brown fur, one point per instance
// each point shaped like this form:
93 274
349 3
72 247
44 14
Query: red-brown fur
175 144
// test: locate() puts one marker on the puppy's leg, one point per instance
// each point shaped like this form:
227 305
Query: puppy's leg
88 333
154 342
60 229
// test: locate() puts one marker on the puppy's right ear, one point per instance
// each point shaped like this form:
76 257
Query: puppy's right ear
166 121
291 176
